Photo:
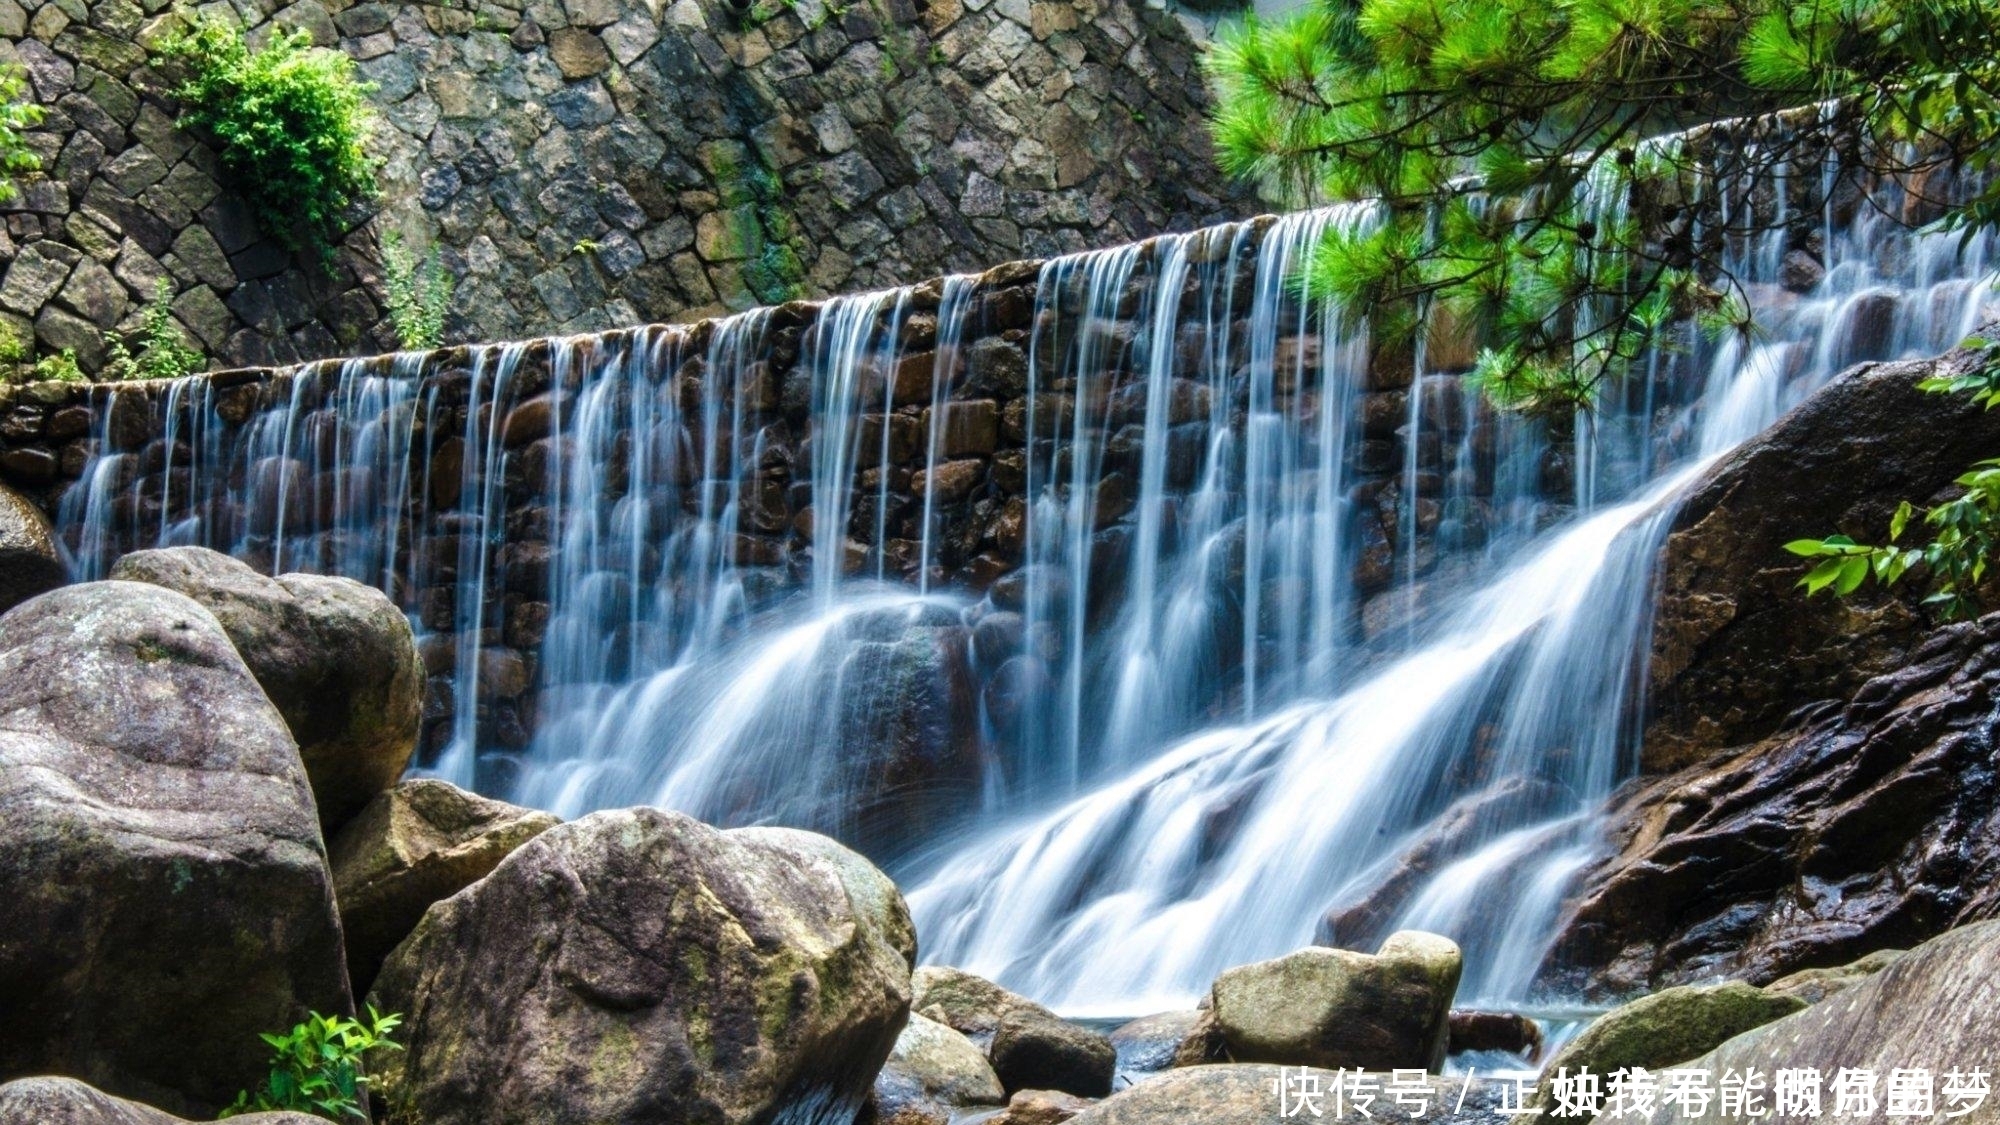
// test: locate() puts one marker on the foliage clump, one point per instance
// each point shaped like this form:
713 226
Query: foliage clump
164 350
290 120
418 291
316 1067
17 116
1512 146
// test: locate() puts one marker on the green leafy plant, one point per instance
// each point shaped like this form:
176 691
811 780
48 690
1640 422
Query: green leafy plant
59 368
164 350
316 1067
291 122
17 116
418 291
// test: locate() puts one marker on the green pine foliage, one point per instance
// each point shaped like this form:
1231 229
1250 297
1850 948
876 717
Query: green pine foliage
291 123
1509 142
316 1067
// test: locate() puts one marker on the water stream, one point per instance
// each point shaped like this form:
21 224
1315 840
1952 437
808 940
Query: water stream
1303 643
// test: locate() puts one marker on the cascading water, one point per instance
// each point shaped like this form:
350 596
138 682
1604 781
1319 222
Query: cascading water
1209 629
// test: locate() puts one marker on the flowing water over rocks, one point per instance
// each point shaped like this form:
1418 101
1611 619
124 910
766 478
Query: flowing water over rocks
1146 618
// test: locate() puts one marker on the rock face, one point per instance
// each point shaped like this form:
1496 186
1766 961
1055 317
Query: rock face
932 1071
1814 985
336 656
1150 1043
1868 826
65 1101
1666 1028
1239 1094
1736 648
29 561
422 841
1030 1046
1930 1009
638 966
1335 1008
167 893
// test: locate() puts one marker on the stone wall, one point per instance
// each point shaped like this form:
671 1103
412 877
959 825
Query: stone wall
587 164
590 164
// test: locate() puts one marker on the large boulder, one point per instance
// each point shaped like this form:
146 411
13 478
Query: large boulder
1031 1048
1932 1009
167 895
65 1101
932 1072
1666 1028
638 966
337 658
422 841
1736 647
1814 985
1866 826
1250 1094
30 564
1335 1008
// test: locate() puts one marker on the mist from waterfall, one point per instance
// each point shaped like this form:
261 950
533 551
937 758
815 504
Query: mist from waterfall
1306 642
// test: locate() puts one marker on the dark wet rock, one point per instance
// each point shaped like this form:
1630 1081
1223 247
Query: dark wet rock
1150 1043
1871 825
1336 1008
420 842
167 895
1929 1009
29 561
337 658
1736 647
65 1101
1496 1031
639 966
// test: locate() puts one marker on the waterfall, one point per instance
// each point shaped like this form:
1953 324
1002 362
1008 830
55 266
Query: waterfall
1143 615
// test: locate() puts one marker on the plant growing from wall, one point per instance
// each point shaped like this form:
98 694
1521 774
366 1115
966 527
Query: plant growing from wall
164 350
290 121
418 290
17 116
316 1067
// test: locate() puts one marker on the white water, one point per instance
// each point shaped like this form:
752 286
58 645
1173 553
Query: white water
1264 643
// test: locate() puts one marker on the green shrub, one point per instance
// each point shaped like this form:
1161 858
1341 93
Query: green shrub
17 116
290 120
59 368
316 1068
419 293
164 351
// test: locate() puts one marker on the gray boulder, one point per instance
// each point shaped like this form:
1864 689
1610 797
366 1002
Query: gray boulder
638 966
1665 1029
1930 1009
65 1101
1335 1008
337 658
932 1071
1030 1046
1249 1094
1150 1043
30 564
422 841
1815 985
167 895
